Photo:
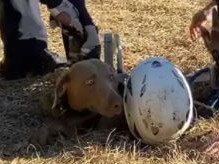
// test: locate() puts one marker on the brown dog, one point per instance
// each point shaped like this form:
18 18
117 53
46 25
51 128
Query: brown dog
92 85
86 92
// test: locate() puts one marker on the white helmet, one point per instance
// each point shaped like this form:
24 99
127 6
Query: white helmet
157 101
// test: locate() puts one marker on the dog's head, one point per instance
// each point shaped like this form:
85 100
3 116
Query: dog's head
92 85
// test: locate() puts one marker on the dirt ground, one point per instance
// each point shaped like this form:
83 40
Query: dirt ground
147 28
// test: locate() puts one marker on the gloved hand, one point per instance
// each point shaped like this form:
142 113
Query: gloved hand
92 40
68 15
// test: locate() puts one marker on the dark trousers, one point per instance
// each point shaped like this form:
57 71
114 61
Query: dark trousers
23 56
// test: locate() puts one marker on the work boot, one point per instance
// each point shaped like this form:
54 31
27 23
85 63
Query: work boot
45 63
41 64
27 57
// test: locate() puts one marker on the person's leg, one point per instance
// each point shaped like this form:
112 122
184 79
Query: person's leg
23 57
16 59
11 66
42 60
24 40
65 39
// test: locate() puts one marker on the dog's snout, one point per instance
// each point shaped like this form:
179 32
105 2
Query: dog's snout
116 106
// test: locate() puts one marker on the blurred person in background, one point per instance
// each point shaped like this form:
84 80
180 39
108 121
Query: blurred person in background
199 18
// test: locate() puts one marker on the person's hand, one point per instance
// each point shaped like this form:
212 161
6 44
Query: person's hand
92 40
67 15
213 150
196 24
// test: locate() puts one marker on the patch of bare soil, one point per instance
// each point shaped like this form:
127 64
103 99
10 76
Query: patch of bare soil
20 112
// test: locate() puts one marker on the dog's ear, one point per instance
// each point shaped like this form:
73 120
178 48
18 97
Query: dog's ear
60 90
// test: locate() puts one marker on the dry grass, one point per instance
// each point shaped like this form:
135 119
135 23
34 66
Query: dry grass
147 28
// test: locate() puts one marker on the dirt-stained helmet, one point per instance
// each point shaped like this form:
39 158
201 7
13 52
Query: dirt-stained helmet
158 102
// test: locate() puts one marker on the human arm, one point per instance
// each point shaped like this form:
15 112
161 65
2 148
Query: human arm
199 18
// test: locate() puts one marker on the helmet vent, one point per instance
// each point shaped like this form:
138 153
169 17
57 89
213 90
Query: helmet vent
144 79
179 81
143 89
129 85
174 73
156 64
174 116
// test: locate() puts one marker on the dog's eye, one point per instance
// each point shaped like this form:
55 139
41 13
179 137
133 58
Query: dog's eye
89 82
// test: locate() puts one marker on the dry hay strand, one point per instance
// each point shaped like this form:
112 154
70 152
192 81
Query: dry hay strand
149 28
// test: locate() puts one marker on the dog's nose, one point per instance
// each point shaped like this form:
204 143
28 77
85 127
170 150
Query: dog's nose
117 107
